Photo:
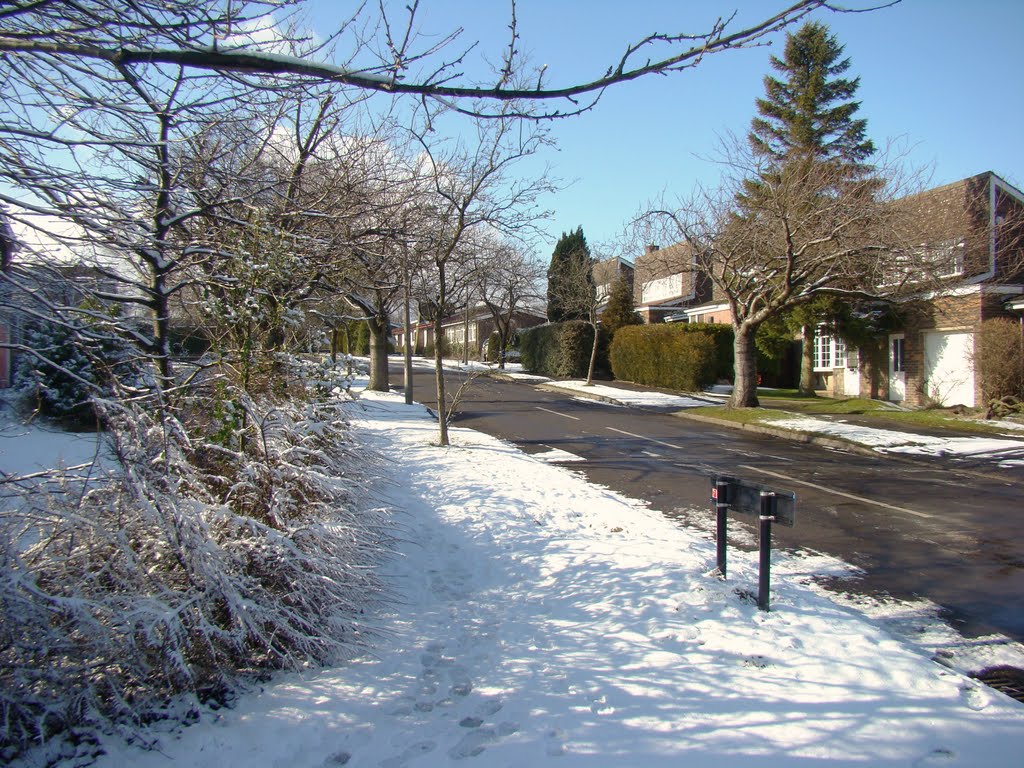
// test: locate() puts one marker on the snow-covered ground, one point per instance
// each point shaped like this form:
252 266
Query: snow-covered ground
649 399
538 619
1007 453
28 449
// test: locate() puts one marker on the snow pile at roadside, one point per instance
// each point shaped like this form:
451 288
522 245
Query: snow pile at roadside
538 618
648 399
887 440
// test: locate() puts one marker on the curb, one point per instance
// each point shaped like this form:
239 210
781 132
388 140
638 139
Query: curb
825 441
585 395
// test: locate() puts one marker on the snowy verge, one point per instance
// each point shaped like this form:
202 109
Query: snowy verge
649 399
539 618
1005 451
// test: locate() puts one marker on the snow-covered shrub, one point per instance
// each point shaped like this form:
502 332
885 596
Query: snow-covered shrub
187 569
68 367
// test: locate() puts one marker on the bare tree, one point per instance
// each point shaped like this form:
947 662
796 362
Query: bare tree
811 230
231 38
471 188
509 280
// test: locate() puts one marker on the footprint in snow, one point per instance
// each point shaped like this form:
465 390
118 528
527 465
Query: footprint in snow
599 705
476 741
486 708
974 697
554 745
935 757
410 753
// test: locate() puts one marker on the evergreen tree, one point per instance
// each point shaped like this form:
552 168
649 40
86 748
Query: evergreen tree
570 255
810 112
808 116
70 367
618 312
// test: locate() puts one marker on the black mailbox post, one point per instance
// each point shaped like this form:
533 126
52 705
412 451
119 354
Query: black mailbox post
748 498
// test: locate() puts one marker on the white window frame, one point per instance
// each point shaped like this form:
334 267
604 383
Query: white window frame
898 354
829 351
822 351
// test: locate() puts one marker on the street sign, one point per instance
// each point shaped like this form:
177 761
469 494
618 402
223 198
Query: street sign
745 498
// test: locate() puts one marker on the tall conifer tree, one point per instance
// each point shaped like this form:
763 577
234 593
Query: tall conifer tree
571 248
808 115
811 112
619 312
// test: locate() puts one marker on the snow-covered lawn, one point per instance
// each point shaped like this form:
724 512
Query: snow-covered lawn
26 449
1005 451
538 619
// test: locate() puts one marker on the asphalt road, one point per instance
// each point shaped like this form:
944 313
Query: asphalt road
914 529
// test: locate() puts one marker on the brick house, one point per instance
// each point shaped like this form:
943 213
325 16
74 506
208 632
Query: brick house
665 283
974 228
606 271
456 330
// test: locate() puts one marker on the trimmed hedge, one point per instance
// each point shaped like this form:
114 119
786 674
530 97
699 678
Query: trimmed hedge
561 350
686 357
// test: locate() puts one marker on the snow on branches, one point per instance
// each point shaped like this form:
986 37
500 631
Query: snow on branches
185 567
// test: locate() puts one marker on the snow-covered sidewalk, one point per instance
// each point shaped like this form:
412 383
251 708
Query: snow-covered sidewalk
538 618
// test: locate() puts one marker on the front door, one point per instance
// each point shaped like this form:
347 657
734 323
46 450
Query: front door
897 369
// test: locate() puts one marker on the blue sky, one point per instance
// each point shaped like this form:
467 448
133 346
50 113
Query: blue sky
943 76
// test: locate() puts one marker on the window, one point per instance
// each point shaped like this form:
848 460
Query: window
897 355
941 259
839 359
947 258
829 351
662 288
822 351
853 359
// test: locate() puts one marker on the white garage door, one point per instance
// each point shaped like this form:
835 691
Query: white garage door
949 367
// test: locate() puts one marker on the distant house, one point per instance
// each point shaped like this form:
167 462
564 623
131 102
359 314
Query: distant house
975 228
48 263
606 272
665 283
457 330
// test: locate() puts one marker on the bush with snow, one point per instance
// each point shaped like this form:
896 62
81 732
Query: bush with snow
188 568
68 367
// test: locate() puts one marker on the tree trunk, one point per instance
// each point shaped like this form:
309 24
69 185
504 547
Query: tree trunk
335 343
407 352
744 388
378 355
593 355
504 328
442 399
807 360
160 306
